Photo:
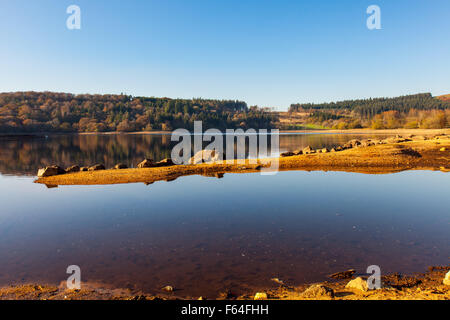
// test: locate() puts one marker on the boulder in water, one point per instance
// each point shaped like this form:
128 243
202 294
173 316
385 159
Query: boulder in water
50 171
167 288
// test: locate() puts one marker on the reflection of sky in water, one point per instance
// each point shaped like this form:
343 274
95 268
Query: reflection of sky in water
205 234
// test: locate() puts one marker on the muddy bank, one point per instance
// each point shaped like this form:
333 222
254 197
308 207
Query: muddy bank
411 154
425 286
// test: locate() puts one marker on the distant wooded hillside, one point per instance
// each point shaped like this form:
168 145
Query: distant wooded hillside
22 112
412 111
65 112
445 97
371 107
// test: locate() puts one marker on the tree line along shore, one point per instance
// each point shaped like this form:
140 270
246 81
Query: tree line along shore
31 112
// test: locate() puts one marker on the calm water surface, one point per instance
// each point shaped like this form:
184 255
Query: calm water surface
23 155
204 235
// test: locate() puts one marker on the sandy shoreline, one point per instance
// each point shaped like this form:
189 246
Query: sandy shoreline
420 286
433 154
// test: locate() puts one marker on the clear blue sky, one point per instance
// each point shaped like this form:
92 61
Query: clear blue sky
269 53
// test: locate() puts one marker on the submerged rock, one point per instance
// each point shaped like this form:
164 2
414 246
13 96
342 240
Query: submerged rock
146 163
50 171
168 288
358 284
276 280
318 291
343 275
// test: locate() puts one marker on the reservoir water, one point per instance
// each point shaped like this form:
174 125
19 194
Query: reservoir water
204 235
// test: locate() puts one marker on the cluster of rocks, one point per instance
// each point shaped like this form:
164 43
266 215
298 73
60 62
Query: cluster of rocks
57 170
149 163
202 156
362 143
207 156
321 291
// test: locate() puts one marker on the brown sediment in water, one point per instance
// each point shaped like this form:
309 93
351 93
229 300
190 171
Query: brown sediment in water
423 286
433 154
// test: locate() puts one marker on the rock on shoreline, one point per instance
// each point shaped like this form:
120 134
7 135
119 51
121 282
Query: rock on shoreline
50 171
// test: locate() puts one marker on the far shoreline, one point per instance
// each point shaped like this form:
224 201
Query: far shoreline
309 131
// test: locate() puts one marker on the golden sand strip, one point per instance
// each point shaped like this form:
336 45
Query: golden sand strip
384 158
